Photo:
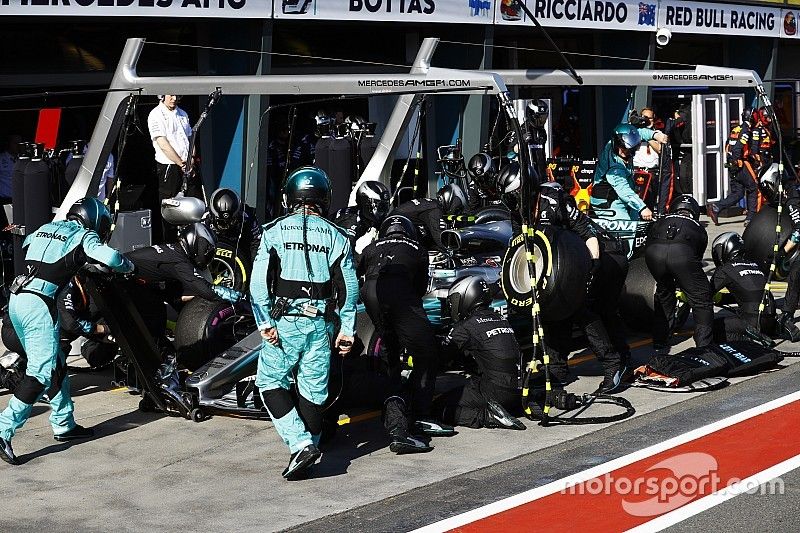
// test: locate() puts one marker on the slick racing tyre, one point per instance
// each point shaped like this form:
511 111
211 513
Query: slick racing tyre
759 240
207 328
637 304
562 268
228 268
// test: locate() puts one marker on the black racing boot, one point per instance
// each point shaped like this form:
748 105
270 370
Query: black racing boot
625 361
432 428
405 443
395 419
170 381
300 462
7 452
787 327
168 373
612 380
78 432
759 337
498 418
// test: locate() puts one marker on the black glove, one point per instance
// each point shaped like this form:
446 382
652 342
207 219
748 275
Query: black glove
594 270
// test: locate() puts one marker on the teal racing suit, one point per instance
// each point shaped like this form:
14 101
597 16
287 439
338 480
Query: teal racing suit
613 187
55 252
307 261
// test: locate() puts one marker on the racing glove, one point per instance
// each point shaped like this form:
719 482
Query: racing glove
227 294
594 270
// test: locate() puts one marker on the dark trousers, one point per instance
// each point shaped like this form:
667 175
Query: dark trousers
604 299
792 289
559 344
734 328
170 183
743 182
466 406
152 309
399 317
675 266
356 382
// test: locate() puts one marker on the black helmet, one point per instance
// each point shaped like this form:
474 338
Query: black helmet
747 114
726 246
397 225
481 164
225 208
307 186
552 189
452 199
93 215
453 163
554 193
536 112
627 138
372 199
323 123
466 295
355 123
199 244
509 179
481 168
685 202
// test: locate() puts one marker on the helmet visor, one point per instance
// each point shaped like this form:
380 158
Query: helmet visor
224 222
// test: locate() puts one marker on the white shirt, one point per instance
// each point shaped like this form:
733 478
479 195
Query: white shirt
645 156
174 126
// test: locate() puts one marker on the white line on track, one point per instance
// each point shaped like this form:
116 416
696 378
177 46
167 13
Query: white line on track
579 477
703 504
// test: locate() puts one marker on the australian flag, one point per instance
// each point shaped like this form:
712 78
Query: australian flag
647 14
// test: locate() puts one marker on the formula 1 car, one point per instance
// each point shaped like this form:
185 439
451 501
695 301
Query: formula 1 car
225 383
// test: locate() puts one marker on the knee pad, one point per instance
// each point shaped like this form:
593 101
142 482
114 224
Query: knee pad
57 378
29 390
311 414
278 402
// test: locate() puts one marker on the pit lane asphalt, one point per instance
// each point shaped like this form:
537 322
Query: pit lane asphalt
459 494
752 512
145 471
